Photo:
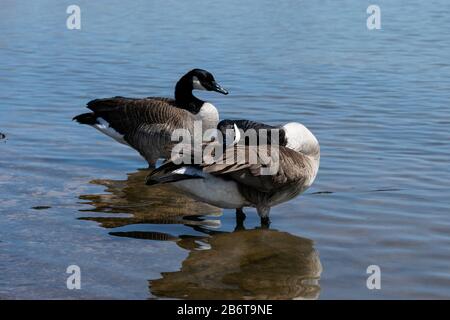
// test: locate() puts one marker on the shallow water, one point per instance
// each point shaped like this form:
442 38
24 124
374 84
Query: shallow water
378 101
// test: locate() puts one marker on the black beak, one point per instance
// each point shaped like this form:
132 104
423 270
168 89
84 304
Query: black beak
216 87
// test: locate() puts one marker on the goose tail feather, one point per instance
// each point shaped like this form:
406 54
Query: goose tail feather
86 118
171 177
169 172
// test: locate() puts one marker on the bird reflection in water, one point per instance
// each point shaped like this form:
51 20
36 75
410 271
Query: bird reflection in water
243 264
130 202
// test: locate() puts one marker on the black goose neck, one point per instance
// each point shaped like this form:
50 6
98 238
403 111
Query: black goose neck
184 97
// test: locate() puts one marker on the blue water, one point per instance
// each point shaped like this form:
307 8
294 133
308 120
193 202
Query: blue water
378 102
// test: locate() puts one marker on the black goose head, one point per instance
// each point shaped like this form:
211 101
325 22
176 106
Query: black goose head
203 80
197 79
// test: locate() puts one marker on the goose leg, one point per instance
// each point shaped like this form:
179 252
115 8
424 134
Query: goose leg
240 215
240 218
263 213
152 163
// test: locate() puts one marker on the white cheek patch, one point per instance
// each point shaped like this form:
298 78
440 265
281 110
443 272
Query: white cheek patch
234 133
196 84
237 133
105 128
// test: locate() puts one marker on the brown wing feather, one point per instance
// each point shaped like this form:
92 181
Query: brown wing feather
244 164
147 124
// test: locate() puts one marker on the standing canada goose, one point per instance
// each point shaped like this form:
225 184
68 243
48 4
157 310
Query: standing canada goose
234 182
147 124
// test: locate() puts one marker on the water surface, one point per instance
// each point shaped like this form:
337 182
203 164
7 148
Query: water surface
378 102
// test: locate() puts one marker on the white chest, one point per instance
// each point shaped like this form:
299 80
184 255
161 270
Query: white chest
209 115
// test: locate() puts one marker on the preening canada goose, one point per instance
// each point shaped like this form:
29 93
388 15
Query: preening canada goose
247 125
237 182
147 124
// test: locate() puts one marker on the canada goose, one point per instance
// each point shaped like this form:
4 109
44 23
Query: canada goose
147 124
232 183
